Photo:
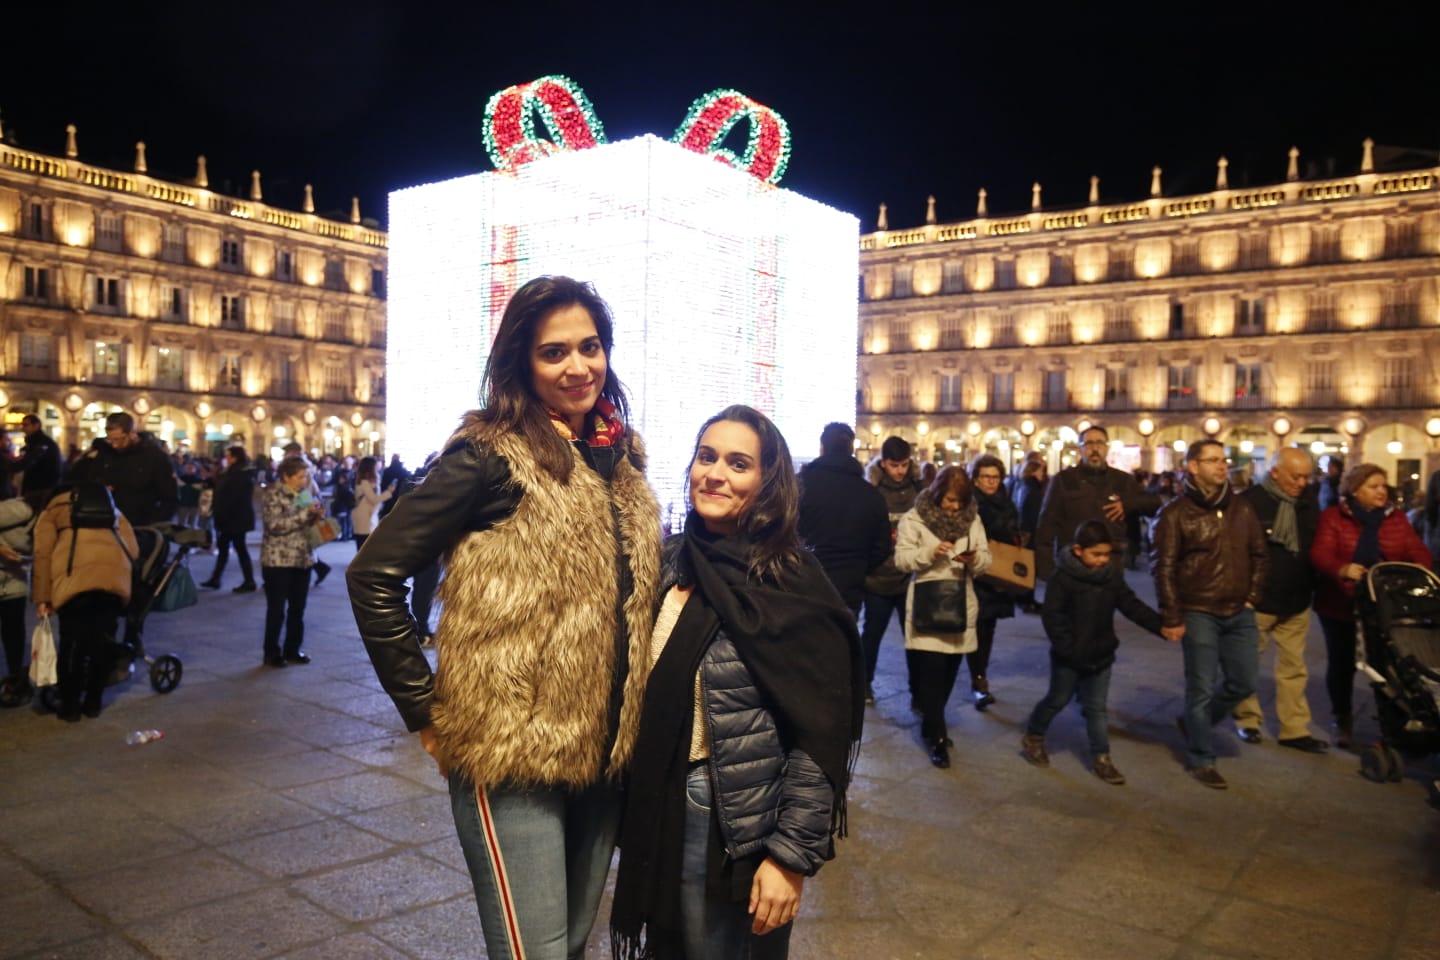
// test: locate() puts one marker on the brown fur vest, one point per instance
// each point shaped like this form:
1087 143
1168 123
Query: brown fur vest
527 634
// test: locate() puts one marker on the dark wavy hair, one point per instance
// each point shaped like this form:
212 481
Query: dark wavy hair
242 459
366 468
771 523
508 402
986 460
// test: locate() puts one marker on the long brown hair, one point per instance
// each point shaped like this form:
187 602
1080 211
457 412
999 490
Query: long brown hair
950 480
508 400
772 522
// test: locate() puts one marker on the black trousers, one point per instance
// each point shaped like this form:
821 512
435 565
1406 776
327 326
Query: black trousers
12 634
242 556
934 677
978 660
85 651
422 595
1339 666
286 590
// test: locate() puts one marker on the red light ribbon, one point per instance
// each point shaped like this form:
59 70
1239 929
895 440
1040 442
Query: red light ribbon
511 138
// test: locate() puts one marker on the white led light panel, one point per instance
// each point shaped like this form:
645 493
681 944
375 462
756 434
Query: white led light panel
723 290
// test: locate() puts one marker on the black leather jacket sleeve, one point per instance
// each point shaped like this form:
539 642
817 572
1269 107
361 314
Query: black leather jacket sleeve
466 490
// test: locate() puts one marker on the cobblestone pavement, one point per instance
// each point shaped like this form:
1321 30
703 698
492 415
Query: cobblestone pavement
286 813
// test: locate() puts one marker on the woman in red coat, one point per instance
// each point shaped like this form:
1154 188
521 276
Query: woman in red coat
1360 531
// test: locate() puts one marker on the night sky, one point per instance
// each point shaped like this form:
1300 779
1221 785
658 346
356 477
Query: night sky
886 102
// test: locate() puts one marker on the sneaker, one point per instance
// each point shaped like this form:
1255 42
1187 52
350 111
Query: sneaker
16 692
1105 769
1209 776
322 570
244 588
211 584
980 693
1032 748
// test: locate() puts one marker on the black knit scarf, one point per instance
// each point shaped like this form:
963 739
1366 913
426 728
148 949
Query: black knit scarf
800 646
1367 548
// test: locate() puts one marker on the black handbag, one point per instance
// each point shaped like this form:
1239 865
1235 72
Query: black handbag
938 606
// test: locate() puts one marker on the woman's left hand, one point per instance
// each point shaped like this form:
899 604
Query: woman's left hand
774 896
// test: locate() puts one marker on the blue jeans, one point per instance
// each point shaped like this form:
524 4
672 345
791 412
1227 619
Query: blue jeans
1233 645
1094 690
537 860
716 929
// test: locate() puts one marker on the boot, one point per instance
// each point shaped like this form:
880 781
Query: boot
1344 731
980 692
1032 748
940 752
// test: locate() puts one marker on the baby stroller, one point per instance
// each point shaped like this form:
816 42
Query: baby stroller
154 568
1398 648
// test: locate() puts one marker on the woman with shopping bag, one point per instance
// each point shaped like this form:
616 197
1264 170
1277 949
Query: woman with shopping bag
82 573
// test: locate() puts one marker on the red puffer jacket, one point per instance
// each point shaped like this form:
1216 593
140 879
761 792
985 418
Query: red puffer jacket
1334 547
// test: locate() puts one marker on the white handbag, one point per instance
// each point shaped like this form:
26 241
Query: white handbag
42 655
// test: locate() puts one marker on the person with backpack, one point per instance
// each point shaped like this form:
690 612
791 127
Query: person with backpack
16 524
84 554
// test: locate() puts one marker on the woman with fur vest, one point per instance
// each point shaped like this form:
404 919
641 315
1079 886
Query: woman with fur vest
941 539
83 575
751 719
550 540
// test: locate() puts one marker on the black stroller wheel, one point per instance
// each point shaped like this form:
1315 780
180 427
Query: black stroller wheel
1375 763
165 673
1397 765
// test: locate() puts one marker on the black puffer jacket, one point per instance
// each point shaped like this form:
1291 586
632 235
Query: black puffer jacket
1079 613
767 797
234 506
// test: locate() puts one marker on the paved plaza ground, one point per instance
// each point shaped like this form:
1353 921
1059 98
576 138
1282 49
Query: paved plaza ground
286 814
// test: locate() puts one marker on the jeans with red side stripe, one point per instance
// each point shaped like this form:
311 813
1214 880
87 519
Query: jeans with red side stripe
538 859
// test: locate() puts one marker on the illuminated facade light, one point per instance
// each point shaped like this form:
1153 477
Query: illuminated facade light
724 290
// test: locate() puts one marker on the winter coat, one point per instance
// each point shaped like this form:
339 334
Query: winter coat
887 580
1077 494
1209 557
844 521
233 507
915 553
1028 495
1334 547
40 463
765 796
284 543
1290 586
548 603
16 532
103 558
140 477
1079 613
367 506
1001 521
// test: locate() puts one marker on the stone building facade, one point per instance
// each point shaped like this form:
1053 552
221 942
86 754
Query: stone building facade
1305 312
212 319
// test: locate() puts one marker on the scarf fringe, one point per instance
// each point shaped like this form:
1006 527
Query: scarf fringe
628 947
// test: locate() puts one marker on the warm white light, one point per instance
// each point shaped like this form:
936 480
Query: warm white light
227 429
257 413
1146 427
724 291
1394 447
1432 426
874 429
280 433
1281 425
167 426
374 436
1354 426
142 406
202 409
1211 426
1247 446
1082 426
73 401
973 428
329 434
922 428
1027 426
1317 447
1179 446
356 419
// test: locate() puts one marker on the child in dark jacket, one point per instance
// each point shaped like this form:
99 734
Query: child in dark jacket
1079 618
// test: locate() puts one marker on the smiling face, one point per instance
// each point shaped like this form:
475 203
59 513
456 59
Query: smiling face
567 364
725 475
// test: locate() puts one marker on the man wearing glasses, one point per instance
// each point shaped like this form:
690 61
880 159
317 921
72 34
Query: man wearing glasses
1090 490
1211 562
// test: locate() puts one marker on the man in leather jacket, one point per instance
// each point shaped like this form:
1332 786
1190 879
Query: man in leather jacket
1090 490
1211 562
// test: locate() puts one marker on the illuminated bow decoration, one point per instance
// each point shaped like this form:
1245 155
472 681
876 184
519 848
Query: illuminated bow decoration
511 139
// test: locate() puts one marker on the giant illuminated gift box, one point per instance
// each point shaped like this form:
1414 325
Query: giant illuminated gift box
724 290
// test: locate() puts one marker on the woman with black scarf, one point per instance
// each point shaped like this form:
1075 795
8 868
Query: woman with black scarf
751 720
1360 531
1002 523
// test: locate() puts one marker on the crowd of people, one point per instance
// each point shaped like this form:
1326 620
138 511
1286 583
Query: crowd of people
697 698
